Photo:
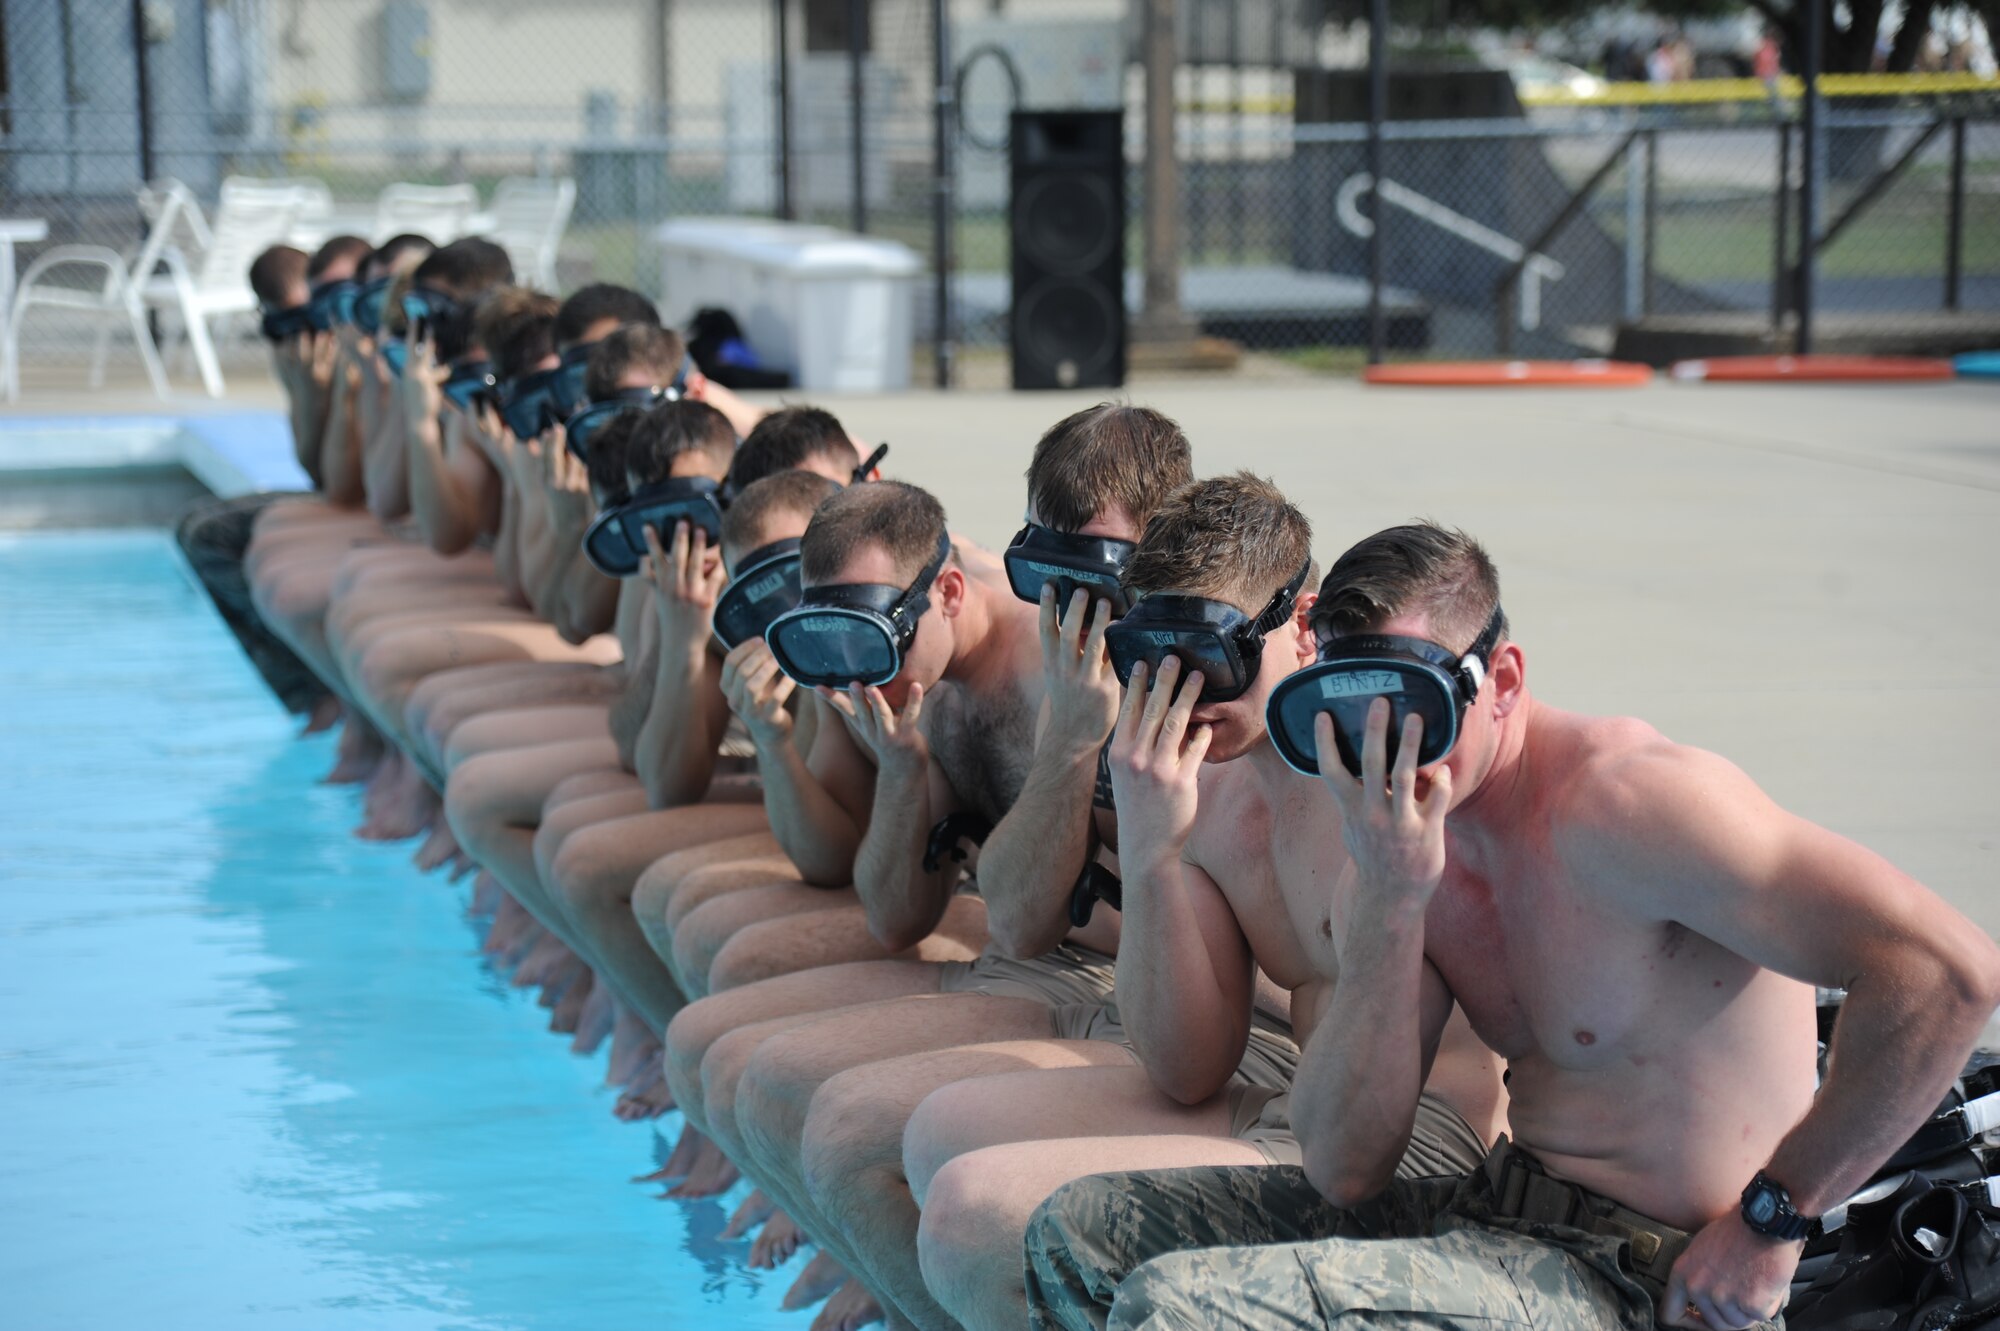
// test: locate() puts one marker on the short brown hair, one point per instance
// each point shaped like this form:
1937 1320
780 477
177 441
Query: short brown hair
658 350
335 250
1112 453
1229 538
900 518
666 431
800 492
1417 569
515 326
790 437
277 273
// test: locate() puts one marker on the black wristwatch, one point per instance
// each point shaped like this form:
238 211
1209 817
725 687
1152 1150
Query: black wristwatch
1768 1209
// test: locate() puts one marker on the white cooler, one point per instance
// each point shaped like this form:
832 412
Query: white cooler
834 308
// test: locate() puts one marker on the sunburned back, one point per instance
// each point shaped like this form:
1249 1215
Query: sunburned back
1604 1013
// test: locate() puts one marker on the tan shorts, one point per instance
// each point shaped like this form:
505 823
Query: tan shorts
1270 1059
1441 1143
1070 976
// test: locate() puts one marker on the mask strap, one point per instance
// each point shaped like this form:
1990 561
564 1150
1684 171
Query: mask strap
924 579
1283 603
1472 666
873 461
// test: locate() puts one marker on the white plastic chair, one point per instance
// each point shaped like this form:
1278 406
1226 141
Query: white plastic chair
216 286
527 219
115 297
438 212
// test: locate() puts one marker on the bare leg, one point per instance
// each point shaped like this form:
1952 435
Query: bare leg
851 1156
976 1205
520 728
828 937
592 879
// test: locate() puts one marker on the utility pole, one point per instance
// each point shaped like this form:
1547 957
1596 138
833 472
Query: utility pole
1161 318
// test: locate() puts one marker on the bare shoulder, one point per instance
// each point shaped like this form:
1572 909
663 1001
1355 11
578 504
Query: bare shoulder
1628 795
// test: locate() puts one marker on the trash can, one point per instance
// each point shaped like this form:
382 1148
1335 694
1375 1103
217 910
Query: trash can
834 308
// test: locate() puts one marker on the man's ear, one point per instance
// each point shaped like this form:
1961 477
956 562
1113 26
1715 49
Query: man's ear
1308 646
949 590
1509 674
695 386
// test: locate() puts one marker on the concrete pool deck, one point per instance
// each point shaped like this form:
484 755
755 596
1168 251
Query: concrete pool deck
1805 579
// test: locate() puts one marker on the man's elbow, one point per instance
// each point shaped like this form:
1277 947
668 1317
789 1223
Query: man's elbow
1020 935
896 933
1338 1180
1971 976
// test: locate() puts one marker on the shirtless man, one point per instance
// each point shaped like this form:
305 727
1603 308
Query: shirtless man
1635 927
1224 863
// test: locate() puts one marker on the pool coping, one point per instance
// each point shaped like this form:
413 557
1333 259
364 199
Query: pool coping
232 453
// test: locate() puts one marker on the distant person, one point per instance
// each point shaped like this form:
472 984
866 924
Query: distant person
1768 63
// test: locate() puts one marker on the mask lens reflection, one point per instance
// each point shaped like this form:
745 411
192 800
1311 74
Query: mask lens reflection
834 649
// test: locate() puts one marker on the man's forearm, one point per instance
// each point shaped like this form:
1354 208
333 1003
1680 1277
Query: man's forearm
676 749
1354 1100
629 708
1032 859
1900 1042
814 831
340 456
443 515
902 901
1188 1032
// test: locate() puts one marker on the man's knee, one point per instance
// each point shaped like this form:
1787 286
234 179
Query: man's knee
851 1127
723 1069
958 1234
751 953
590 869
931 1139
686 1043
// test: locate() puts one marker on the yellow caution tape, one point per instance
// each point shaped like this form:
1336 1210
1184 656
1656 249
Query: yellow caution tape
1756 90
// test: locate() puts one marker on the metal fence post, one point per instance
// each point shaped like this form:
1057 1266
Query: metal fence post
1647 289
942 350
1954 227
784 38
1810 128
1634 303
143 91
1378 111
1781 262
857 129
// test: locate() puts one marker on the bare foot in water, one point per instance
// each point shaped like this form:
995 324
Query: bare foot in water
646 1096
526 941
822 1276
850 1309
399 804
439 848
632 1043
593 1024
542 963
359 754
679 1160
755 1210
487 898
710 1175
776 1243
575 996
461 865
324 716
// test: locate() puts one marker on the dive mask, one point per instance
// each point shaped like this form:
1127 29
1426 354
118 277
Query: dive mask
616 540
469 378
281 324
1214 637
853 633
332 304
1041 555
594 415
527 402
1355 669
765 585
369 303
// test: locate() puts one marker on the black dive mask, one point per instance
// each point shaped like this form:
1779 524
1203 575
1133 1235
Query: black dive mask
594 415
332 304
568 393
470 377
1352 671
526 402
281 324
396 354
853 633
1041 555
370 302
1214 637
616 540
766 585
424 308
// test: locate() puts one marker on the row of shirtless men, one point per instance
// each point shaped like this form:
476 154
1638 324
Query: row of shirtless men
1136 928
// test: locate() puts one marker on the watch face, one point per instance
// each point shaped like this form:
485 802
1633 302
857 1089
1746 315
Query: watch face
1764 1208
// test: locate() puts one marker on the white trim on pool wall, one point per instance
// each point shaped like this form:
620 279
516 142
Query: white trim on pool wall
231 453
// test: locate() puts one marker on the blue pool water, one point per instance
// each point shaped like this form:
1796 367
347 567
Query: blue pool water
253 1073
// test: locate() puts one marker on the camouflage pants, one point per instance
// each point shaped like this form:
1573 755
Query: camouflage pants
1257 1249
214 534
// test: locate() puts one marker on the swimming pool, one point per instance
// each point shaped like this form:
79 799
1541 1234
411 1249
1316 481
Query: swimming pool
254 1073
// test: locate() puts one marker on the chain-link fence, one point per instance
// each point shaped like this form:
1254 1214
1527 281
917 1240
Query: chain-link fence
1507 227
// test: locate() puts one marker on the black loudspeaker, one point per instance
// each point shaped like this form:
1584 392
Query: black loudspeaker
1066 326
